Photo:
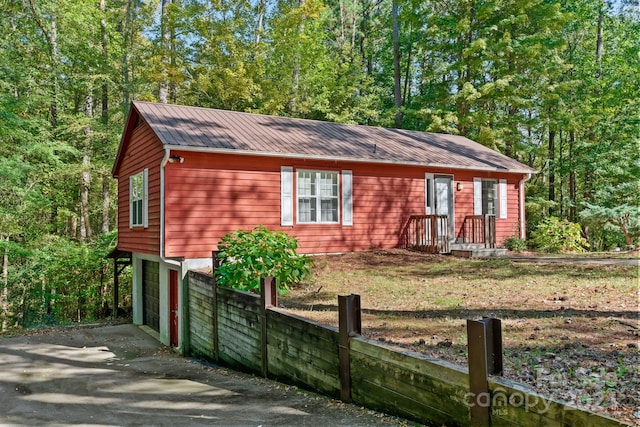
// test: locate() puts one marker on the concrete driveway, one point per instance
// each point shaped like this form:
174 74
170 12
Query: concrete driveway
120 376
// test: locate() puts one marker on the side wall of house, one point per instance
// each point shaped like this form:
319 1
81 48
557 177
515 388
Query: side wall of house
209 195
144 151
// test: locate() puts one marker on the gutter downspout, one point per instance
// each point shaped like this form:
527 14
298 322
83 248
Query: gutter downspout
523 227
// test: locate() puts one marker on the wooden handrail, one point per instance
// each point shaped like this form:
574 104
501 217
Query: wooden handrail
479 229
428 233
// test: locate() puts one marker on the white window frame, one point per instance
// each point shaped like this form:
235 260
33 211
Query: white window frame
347 198
139 199
485 198
317 196
286 196
500 197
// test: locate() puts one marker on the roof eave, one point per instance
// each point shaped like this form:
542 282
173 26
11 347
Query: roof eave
342 159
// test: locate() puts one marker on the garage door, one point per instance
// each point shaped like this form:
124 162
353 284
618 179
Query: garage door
151 294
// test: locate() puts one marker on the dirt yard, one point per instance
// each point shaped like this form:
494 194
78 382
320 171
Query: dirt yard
570 329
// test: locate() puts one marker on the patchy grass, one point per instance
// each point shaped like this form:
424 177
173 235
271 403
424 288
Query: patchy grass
570 330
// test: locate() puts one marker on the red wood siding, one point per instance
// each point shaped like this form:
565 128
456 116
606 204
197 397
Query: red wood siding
143 151
506 227
211 194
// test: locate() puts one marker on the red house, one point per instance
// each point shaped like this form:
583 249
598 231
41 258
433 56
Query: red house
188 175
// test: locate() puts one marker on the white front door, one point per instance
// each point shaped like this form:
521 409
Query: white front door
443 200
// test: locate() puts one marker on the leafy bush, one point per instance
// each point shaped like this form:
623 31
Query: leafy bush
515 244
555 235
250 255
57 281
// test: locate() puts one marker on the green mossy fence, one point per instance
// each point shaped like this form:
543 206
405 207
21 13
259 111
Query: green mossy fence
248 332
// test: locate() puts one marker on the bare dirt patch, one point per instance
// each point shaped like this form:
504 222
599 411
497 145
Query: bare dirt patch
570 330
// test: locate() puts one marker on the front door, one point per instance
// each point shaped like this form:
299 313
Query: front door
173 308
443 200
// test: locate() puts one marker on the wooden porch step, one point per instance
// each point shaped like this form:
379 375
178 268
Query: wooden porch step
479 253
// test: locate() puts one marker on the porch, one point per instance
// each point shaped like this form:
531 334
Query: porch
432 234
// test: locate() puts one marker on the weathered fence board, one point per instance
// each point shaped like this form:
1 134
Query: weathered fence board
417 388
513 403
302 352
287 370
242 362
200 315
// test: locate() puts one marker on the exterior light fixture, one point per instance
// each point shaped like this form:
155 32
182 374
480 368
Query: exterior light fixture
459 186
176 158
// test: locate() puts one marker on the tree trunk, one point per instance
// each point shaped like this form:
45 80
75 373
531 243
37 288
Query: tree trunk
105 64
51 36
407 73
342 19
126 36
508 143
4 297
173 91
259 26
293 102
552 175
396 65
54 56
599 41
106 203
165 45
572 178
85 181
367 61
74 227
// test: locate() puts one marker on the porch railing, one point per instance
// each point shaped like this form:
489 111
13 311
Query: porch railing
479 229
428 233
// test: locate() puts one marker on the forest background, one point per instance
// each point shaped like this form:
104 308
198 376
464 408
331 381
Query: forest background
554 84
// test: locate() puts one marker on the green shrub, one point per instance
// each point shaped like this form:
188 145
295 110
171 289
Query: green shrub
250 255
555 235
515 244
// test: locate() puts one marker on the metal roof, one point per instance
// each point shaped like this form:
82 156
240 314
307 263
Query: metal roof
205 129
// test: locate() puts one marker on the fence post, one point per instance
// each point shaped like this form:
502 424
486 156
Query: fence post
268 298
214 312
493 334
350 324
478 386
485 358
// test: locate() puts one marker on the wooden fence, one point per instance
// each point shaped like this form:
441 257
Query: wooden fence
249 332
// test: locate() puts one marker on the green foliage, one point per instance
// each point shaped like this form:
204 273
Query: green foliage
515 244
250 255
623 219
58 281
555 235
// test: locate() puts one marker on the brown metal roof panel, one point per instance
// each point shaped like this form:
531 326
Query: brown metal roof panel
220 129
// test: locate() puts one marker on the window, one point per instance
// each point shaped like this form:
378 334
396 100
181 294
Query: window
489 197
318 197
138 197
